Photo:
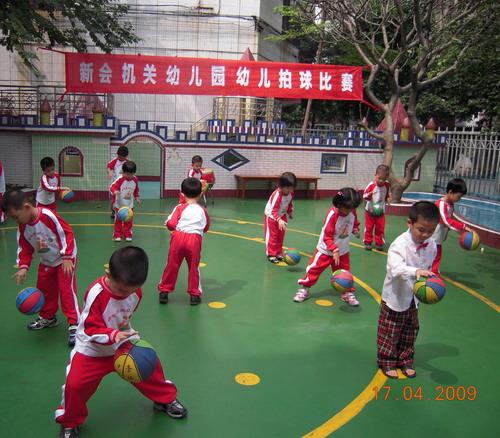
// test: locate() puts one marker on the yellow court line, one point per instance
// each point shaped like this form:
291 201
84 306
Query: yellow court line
467 289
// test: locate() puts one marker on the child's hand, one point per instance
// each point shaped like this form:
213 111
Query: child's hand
336 257
356 233
121 336
424 273
138 200
20 275
67 267
470 230
281 224
116 193
290 216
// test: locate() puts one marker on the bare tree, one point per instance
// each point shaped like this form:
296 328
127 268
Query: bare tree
412 43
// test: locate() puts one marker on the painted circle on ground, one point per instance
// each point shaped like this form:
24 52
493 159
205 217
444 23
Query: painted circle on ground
324 303
247 379
217 305
202 264
281 264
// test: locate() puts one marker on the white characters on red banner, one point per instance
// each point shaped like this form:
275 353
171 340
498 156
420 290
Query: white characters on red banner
128 76
105 74
195 76
285 78
324 81
305 79
243 76
264 81
86 72
218 76
173 75
347 82
149 74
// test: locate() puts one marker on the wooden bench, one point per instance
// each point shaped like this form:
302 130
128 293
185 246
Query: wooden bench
242 180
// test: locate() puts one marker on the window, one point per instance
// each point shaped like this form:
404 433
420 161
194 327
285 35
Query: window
71 162
416 172
230 160
333 163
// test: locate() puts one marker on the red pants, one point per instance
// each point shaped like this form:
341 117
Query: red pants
183 246
2 214
83 375
437 260
52 206
274 237
318 263
54 283
122 229
376 223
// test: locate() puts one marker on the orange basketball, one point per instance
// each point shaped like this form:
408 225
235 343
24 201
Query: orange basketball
208 175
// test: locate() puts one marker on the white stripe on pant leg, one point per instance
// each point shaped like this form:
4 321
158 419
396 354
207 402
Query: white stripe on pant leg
199 281
267 235
73 291
309 266
60 412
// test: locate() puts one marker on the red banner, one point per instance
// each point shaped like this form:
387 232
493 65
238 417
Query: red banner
92 73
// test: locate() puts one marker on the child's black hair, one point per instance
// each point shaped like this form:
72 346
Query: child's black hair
129 266
456 185
347 197
47 162
191 187
287 179
14 199
382 168
424 209
129 167
196 159
122 151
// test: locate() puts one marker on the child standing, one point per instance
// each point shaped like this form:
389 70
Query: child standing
195 171
279 205
2 191
333 245
44 231
187 223
410 256
125 190
50 185
377 192
105 324
114 169
455 189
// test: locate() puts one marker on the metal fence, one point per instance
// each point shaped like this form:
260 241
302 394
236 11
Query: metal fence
473 156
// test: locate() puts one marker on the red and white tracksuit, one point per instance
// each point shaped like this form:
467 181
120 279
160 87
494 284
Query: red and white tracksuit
116 165
375 194
46 192
446 222
54 241
2 191
278 207
128 190
192 173
103 317
334 238
188 223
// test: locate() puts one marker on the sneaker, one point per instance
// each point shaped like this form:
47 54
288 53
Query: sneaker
350 299
72 336
117 239
280 258
173 409
69 432
380 247
112 216
163 298
273 259
368 246
301 295
41 323
128 239
195 300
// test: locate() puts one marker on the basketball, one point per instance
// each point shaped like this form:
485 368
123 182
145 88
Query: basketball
469 240
208 175
135 360
125 214
204 186
378 209
429 290
342 280
30 301
67 195
292 257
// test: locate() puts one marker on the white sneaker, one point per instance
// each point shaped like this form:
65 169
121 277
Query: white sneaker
301 295
128 239
117 239
350 299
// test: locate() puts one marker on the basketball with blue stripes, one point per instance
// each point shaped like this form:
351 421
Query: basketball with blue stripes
30 301
429 290
378 209
342 280
67 195
125 214
135 360
469 240
292 256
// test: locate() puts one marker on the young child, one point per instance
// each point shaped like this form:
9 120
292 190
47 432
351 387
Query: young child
195 171
50 185
2 191
125 190
105 324
279 205
114 169
376 192
187 222
333 245
44 231
455 189
410 256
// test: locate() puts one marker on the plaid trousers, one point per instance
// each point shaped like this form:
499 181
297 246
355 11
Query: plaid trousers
396 336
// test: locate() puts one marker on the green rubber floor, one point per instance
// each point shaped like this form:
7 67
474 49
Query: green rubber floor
316 364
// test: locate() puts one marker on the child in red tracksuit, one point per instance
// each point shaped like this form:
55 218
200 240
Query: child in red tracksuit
114 169
333 244
279 205
50 185
2 191
195 171
187 222
125 190
44 231
105 324
377 192
455 189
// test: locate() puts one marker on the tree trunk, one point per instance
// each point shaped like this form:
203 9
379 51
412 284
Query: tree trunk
397 190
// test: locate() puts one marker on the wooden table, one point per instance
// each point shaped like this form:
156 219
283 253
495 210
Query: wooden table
241 182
